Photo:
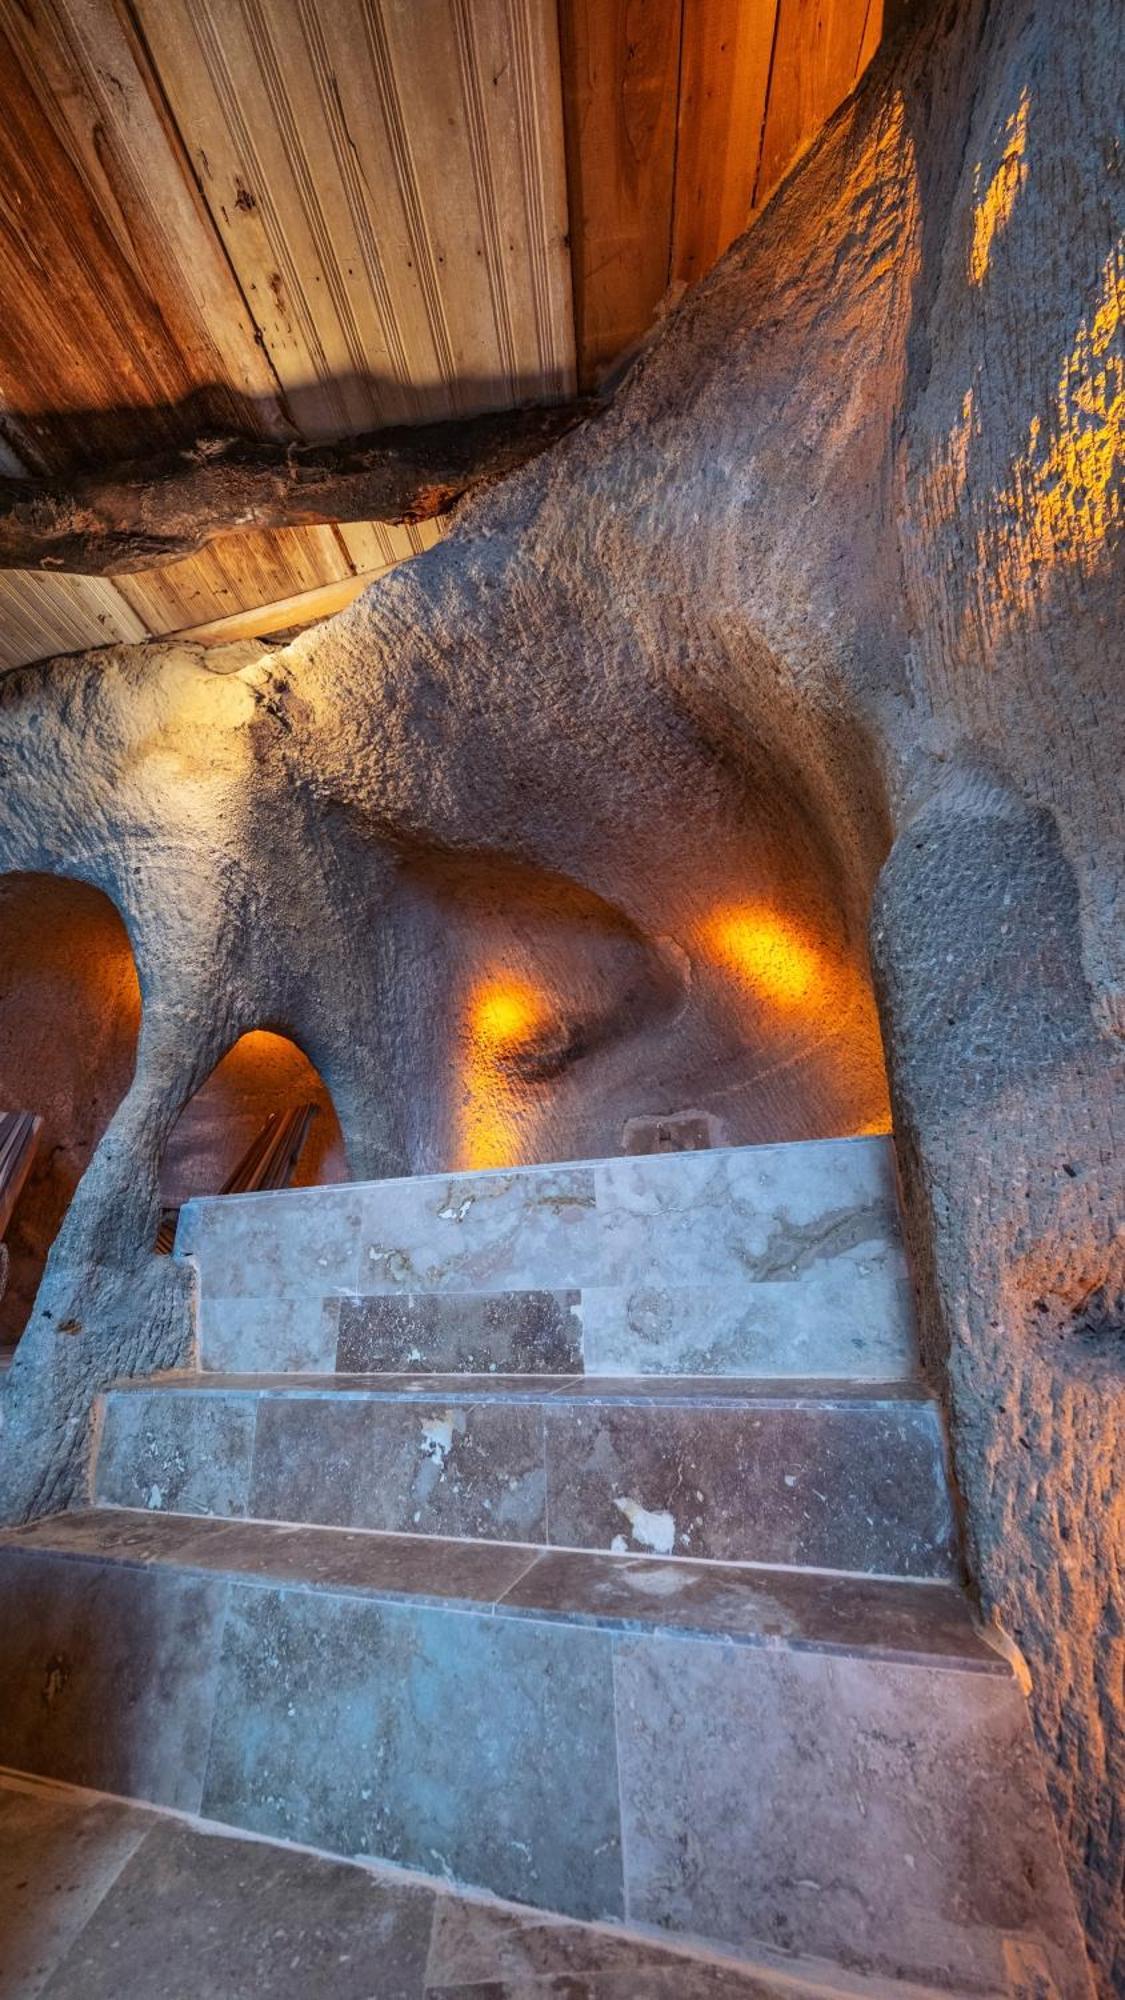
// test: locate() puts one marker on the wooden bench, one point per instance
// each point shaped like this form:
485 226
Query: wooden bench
19 1138
267 1163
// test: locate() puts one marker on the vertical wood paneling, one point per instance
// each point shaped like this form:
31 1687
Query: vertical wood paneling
621 65
367 166
724 78
117 296
681 118
41 615
259 566
820 49
235 572
377 545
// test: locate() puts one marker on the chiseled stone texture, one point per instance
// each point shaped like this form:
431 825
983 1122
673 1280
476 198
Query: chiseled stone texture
893 1823
478 1747
110 1675
898 601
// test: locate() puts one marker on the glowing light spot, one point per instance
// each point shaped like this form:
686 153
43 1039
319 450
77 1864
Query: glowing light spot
993 204
767 952
503 1015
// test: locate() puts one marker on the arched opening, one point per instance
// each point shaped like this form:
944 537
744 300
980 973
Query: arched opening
264 1074
738 1010
70 1010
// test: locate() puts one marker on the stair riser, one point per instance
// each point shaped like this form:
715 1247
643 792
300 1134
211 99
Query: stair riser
836 1486
761 1260
843 1321
884 1816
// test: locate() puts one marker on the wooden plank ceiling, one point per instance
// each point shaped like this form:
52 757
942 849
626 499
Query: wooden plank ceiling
307 218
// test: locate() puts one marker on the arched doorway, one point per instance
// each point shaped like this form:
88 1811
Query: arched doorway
263 1073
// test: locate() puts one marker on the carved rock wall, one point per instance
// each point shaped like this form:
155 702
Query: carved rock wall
813 622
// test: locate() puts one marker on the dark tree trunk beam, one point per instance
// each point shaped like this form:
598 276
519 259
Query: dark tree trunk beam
157 510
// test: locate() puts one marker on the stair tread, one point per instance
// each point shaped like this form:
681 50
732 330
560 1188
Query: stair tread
699 1391
740 1603
760 1152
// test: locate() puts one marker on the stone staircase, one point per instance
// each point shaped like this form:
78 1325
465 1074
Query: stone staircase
580 1533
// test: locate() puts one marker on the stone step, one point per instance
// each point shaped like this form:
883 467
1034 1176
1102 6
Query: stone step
829 1476
838 1767
752 1260
110 1898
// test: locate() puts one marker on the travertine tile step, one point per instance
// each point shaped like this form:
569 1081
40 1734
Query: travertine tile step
739 1604
755 1260
853 1764
836 1476
110 1901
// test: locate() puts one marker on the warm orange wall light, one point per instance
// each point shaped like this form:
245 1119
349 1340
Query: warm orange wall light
766 952
503 1014
995 200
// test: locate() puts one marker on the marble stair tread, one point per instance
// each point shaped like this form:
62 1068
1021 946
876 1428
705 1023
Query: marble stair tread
702 1391
899 1620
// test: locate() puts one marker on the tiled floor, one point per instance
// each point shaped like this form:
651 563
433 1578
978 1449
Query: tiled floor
105 1901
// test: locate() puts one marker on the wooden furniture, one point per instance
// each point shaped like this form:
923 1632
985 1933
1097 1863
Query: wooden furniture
267 1163
19 1137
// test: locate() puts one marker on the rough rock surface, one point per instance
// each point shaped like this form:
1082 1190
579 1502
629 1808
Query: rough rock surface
818 620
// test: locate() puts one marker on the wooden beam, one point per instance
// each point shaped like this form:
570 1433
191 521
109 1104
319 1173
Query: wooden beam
143 515
308 607
620 71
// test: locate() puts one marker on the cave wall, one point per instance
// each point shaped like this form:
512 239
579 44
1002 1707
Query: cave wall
813 626
69 1015
998 934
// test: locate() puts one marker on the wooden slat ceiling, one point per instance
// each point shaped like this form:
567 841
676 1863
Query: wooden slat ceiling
312 217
